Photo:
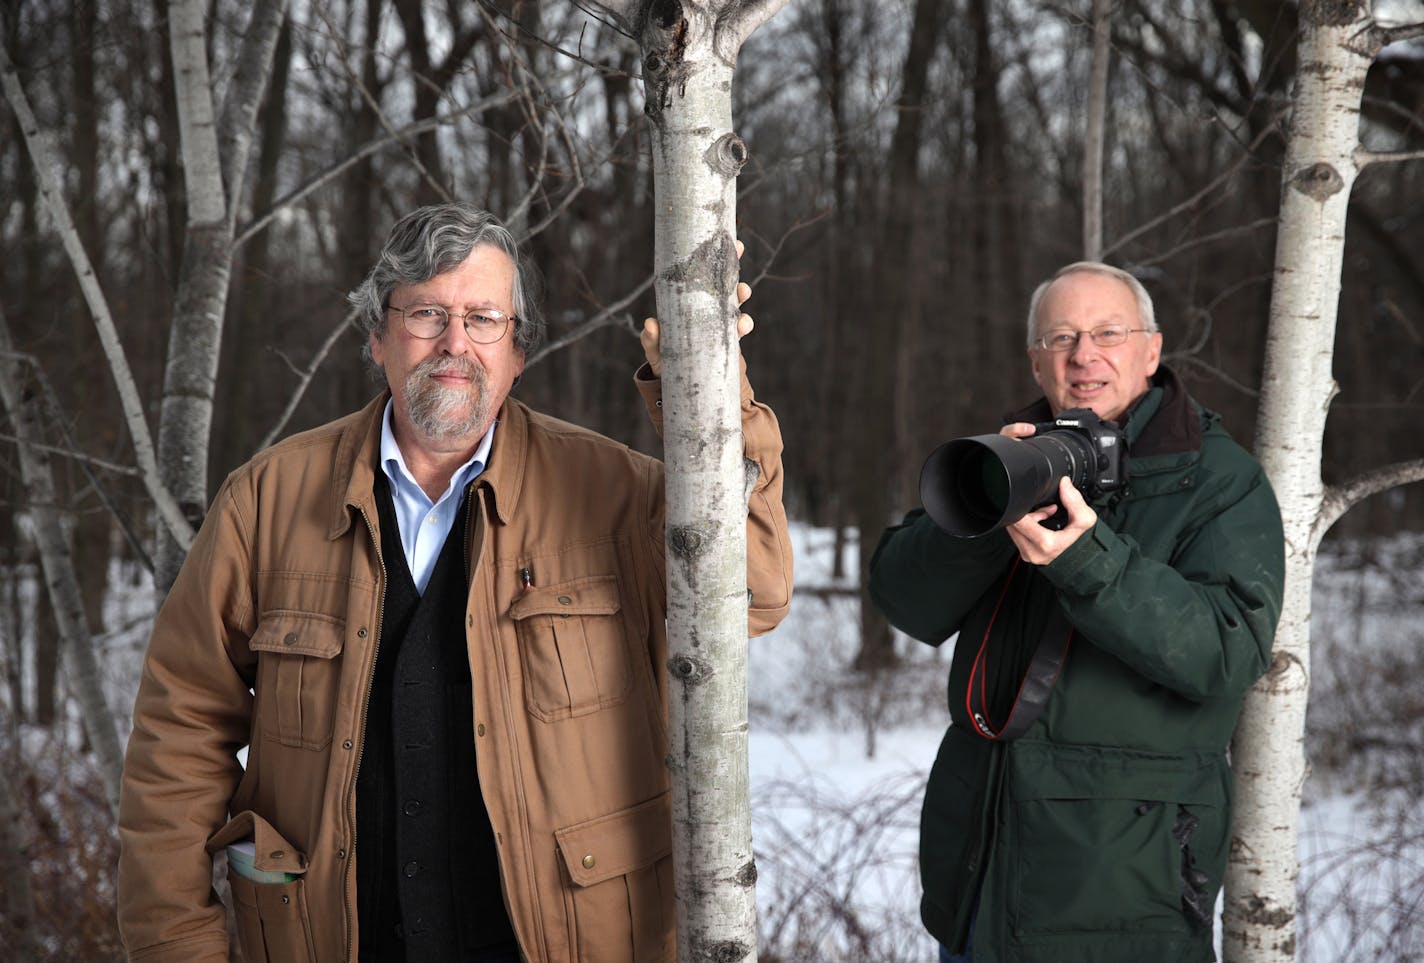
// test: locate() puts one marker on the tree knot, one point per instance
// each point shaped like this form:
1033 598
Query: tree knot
689 669
1318 181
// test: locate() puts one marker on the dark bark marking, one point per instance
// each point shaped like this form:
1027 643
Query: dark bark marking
727 155
689 542
1318 181
690 670
663 66
729 951
1332 13
747 875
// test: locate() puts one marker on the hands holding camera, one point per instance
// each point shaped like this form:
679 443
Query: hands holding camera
1038 545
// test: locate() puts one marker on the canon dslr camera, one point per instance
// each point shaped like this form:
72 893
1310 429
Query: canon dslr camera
977 485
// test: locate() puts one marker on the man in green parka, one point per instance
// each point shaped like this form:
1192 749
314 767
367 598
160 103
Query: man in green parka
1100 833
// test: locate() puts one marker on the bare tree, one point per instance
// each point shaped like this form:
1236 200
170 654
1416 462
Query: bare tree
215 149
80 662
1323 157
689 51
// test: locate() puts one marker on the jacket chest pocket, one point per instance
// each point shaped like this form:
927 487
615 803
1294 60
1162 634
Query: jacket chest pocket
572 647
297 677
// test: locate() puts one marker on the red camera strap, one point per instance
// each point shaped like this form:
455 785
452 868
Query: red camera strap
1043 671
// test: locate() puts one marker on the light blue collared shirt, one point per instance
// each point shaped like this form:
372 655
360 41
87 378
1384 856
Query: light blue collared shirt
424 524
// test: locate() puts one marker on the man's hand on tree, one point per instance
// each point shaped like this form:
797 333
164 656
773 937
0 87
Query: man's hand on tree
651 336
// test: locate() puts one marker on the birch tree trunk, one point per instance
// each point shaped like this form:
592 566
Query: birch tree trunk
1095 134
81 666
48 164
190 373
689 53
1323 157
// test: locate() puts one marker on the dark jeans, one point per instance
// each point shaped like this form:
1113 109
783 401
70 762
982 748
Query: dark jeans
967 956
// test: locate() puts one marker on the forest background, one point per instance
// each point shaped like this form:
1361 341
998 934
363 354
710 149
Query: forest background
915 169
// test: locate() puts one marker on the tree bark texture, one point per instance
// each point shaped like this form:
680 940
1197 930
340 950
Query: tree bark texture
190 374
81 665
1095 135
1268 750
689 53
47 164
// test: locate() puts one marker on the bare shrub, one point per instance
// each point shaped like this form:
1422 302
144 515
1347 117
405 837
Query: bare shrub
73 852
837 876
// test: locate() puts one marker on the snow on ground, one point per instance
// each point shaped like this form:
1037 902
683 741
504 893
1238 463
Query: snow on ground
838 769
838 761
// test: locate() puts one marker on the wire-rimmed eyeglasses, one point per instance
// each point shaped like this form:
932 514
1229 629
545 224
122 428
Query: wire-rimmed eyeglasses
425 321
1104 336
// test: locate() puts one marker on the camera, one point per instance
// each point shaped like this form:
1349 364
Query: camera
977 485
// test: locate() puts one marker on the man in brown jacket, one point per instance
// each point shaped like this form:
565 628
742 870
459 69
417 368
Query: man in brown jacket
437 625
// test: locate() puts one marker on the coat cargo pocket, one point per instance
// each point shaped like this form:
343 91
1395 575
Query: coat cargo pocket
620 894
1092 838
297 676
273 923
573 647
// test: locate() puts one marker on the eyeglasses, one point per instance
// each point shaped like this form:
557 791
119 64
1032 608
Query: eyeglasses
426 321
1105 336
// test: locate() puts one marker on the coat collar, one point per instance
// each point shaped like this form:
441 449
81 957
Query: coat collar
1163 421
359 448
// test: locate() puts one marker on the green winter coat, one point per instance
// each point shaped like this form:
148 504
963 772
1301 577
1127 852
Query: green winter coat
1073 837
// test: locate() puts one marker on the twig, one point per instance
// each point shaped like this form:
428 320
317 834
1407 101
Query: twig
600 320
305 379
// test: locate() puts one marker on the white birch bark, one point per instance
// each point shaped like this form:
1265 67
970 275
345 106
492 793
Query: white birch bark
190 373
1094 135
1337 43
81 666
47 167
689 53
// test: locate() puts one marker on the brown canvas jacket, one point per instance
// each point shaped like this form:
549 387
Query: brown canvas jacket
281 596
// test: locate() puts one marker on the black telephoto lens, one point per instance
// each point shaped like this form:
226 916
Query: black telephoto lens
973 486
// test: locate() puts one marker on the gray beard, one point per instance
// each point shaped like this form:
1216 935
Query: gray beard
441 412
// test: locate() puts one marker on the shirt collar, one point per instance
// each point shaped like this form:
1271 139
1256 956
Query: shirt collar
393 462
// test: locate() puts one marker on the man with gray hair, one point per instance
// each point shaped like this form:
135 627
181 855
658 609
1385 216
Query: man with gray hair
1079 808
437 626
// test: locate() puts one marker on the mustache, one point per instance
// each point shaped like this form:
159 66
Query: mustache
446 365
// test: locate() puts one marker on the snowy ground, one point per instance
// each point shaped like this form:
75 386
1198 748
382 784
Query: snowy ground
838 764
836 829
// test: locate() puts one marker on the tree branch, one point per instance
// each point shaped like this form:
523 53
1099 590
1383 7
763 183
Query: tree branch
1341 498
602 319
1196 198
1402 31
344 56
745 17
244 95
72 451
331 173
1207 239
1364 158
61 582
306 377
47 165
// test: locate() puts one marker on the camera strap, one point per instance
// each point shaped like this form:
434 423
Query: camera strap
1043 671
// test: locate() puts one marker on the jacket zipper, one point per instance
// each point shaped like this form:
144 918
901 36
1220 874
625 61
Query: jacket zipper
365 709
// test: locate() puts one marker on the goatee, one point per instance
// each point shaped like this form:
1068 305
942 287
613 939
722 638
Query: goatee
445 411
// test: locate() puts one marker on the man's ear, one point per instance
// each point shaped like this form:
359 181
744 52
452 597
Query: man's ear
378 350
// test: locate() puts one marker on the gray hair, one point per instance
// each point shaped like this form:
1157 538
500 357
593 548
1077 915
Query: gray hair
435 239
1146 315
